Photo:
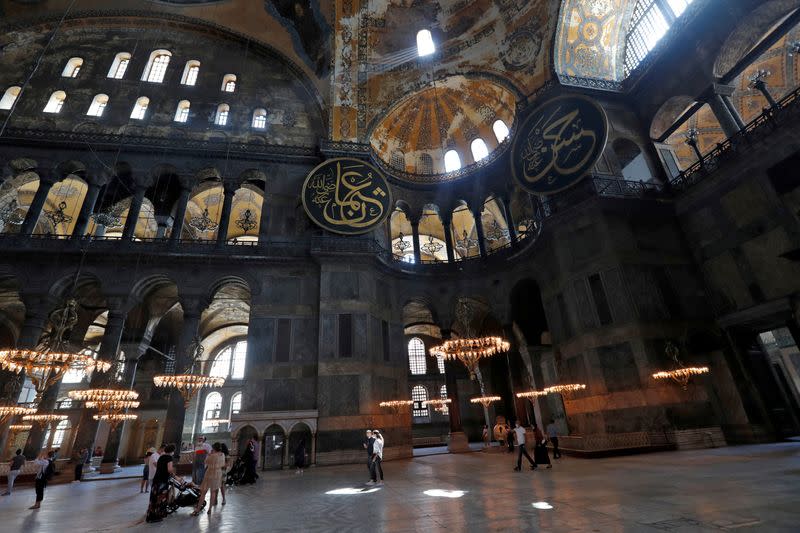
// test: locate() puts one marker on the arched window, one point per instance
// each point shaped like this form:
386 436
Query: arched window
650 21
260 118
419 396
212 412
230 361
56 102
9 97
64 403
236 403
452 161
425 164
221 118
119 66
156 67
72 68
440 363
479 150
190 72
425 46
443 396
58 435
500 130
182 112
98 106
140 108
398 160
409 258
416 355
229 83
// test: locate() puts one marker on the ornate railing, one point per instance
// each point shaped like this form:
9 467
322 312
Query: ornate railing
770 119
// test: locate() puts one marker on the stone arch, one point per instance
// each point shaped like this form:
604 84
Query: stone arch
668 113
274 447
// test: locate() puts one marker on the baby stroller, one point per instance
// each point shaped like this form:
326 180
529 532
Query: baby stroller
187 495
236 473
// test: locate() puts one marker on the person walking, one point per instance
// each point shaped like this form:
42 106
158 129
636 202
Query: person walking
80 459
552 435
519 434
540 448
160 490
201 452
369 445
152 464
249 460
377 459
510 439
14 467
144 486
485 436
212 480
300 456
45 470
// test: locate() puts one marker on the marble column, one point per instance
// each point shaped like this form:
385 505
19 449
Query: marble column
722 112
415 241
111 453
457 441
476 214
512 227
133 212
176 409
229 189
180 211
94 182
46 182
447 224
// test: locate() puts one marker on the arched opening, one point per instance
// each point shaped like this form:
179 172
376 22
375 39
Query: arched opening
500 130
398 160
9 97
229 363
260 119
221 118
465 235
119 66
300 434
182 111
425 44
401 237
212 413
98 105
156 67
190 72
416 356
479 149
495 228
228 83
203 211
273 448
243 437
62 206
56 102
631 159
420 411
140 108
424 164
246 216
72 68
452 161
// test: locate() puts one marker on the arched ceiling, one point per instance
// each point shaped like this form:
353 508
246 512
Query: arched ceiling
448 115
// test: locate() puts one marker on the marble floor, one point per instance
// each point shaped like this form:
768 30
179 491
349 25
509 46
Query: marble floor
745 488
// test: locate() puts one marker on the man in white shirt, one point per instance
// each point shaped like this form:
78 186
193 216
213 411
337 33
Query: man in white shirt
152 462
519 433
377 458
201 451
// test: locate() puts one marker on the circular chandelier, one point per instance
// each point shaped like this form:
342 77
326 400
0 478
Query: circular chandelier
680 374
569 387
187 384
44 418
393 404
102 396
16 428
471 350
531 394
485 401
7 411
114 419
439 404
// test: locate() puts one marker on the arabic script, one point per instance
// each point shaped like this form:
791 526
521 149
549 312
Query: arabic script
347 195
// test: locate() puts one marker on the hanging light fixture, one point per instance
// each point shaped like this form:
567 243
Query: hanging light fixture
485 401
246 221
466 242
9 411
680 374
432 247
58 216
18 428
532 394
439 404
44 418
396 406
9 214
110 218
496 232
189 384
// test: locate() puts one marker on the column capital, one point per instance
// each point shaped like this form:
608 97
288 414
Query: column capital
97 176
142 181
47 175
229 187
193 306
187 181
722 90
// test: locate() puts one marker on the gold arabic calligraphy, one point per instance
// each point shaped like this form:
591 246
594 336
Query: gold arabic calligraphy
348 197
557 146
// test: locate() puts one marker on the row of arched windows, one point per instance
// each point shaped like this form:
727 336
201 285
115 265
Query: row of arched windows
154 71
139 112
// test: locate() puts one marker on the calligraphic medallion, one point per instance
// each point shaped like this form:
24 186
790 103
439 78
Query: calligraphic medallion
558 144
346 196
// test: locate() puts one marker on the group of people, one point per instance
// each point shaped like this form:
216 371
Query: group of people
208 475
540 454
45 470
374 444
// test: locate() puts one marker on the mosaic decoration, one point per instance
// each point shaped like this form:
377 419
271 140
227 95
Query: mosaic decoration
346 196
558 143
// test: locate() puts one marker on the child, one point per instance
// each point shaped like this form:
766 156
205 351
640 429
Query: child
145 485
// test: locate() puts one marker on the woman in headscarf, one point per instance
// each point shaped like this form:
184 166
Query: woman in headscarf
160 490
300 456
540 448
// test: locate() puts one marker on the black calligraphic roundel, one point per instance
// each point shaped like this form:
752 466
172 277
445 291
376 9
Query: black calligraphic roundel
346 196
558 143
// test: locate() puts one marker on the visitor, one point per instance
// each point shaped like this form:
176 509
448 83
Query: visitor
144 486
552 435
14 467
485 436
80 459
160 490
152 463
377 459
249 460
98 452
519 434
44 472
300 456
212 478
201 452
368 444
540 448
510 439
225 469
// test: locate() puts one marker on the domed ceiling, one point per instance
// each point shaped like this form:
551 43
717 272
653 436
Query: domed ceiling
449 114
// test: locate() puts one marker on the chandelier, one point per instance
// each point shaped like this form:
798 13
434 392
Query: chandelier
531 394
440 404
396 405
203 223
112 218
496 232
485 401
110 403
17 428
44 418
465 243
402 244
9 213
189 384
9 411
114 419
680 374
470 350
46 364
58 216
561 389
246 221
432 247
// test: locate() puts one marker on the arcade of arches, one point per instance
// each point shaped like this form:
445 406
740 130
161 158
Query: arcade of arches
152 157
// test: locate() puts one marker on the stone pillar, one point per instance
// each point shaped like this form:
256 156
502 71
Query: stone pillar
176 409
111 453
722 112
415 241
94 181
263 222
476 214
109 349
46 182
133 212
225 217
457 441
447 224
187 183
313 458
512 227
